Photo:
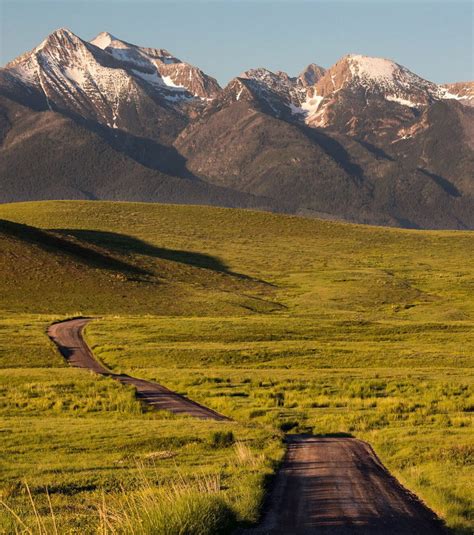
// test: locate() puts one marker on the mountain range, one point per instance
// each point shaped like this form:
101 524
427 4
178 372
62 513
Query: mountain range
366 140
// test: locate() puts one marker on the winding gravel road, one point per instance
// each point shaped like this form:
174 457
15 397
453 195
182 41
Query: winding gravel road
67 335
326 486
338 486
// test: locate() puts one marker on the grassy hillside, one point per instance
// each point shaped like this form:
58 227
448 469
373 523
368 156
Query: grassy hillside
322 267
61 272
283 323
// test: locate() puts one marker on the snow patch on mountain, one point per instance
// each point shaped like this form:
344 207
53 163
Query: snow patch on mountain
449 95
26 74
402 101
311 105
296 110
373 68
75 75
462 92
167 80
103 40
151 78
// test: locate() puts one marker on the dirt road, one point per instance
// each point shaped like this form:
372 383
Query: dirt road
67 335
337 486
327 485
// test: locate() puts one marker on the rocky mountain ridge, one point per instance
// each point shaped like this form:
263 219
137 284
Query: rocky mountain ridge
349 142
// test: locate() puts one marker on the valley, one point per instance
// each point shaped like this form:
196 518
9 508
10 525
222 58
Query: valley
284 324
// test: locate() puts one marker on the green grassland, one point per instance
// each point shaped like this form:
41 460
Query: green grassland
283 323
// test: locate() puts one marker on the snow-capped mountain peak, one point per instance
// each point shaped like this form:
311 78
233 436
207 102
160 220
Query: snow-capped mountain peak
377 76
359 90
103 40
160 64
58 37
271 80
103 80
365 67
371 81
395 82
128 52
71 75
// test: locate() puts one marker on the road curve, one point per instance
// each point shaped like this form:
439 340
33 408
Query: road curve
67 335
338 486
326 485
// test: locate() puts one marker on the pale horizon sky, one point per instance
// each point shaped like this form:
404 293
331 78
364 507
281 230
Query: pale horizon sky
433 38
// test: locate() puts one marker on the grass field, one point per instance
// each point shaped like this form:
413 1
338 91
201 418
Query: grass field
285 324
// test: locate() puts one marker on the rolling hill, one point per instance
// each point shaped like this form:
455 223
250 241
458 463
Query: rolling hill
104 272
223 249
283 323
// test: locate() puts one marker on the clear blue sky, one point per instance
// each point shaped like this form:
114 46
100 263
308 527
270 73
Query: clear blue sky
225 37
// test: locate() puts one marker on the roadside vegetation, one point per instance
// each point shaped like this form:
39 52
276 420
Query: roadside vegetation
284 324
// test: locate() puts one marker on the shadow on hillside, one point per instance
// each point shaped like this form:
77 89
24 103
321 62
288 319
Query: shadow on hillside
335 150
442 182
147 152
124 244
376 151
67 245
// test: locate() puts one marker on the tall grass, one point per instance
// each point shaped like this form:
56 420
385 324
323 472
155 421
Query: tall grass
192 508
198 507
36 523
186 506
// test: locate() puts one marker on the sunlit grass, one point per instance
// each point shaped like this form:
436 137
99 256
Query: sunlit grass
338 329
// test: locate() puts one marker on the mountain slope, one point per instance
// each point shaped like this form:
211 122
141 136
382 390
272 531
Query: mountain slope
46 155
244 148
412 182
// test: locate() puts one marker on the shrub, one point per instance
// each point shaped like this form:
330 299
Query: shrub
256 413
222 439
288 425
191 513
279 398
